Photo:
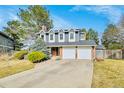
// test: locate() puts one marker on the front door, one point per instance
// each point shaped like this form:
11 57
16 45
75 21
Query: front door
55 51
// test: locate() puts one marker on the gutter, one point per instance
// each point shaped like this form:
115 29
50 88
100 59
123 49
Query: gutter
68 45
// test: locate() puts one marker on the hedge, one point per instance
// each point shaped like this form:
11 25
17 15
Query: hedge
20 55
36 56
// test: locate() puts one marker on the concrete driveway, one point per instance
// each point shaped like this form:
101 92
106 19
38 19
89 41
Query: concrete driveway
53 74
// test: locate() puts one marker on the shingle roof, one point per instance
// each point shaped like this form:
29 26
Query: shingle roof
58 30
80 43
63 30
3 34
100 47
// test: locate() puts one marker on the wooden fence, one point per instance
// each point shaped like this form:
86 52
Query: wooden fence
112 54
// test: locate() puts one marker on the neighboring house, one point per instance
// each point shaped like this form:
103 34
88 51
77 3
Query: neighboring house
69 44
6 43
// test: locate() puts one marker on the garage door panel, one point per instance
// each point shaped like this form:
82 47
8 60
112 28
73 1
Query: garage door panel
69 53
84 53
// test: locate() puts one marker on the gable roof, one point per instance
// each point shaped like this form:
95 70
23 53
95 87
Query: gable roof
3 34
63 30
58 30
80 43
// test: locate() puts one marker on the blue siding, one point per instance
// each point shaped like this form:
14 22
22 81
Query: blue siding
66 37
56 37
47 37
77 36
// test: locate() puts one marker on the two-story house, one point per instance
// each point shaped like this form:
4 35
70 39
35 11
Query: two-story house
69 44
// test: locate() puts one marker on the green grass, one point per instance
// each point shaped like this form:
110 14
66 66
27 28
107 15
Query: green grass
108 74
11 67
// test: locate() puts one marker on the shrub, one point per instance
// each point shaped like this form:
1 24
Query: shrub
46 57
20 55
36 56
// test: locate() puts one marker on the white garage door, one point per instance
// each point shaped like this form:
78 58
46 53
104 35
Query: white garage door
69 53
84 53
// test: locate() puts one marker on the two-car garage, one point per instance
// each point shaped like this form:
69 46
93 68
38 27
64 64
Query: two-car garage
77 53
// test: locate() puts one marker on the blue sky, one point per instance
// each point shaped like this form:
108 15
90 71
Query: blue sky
96 17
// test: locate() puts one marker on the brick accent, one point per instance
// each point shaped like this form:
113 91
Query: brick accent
93 52
60 51
76 55
53 52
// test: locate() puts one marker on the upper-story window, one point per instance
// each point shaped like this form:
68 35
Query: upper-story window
82 36
61 37
51 37
72 36
43 37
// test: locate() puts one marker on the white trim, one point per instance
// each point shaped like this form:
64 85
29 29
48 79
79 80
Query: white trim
44 37
63 37
53 37
72 40
70 45
40 35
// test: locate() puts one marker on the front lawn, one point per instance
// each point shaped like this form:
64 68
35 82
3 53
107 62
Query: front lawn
9 67
108 74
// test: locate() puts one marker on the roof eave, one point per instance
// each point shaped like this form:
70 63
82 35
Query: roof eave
6 35
68 45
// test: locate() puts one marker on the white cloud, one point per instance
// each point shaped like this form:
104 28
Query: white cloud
60 23
7 15
112 13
